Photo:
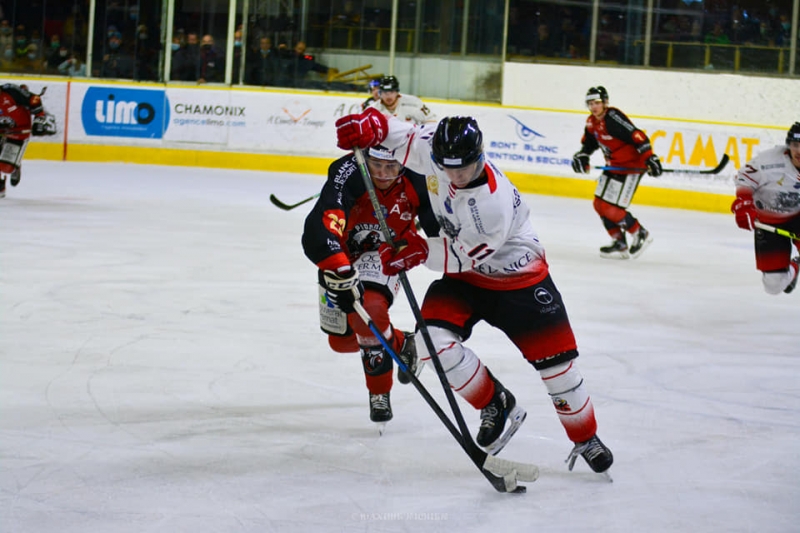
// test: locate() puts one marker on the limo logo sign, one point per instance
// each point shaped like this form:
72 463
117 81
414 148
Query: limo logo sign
118 112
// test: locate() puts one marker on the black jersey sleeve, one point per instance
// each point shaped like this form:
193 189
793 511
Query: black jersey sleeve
588 143
620 127
427 219
325 224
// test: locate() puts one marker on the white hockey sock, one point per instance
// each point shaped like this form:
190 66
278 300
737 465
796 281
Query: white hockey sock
465 372
571 400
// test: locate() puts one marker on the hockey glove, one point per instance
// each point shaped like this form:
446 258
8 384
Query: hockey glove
343 287
654 166
580 163
44 124
367 129
409 253
744 211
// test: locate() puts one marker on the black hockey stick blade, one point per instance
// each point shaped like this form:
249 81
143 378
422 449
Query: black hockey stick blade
716 170
288 207
626 170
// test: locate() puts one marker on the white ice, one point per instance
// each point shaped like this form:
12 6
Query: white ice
162 370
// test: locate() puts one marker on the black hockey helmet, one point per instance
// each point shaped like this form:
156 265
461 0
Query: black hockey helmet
390 83
596 93
458 142
793 135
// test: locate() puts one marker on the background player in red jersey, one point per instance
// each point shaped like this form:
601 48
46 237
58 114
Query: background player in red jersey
625 147
21 114
342 237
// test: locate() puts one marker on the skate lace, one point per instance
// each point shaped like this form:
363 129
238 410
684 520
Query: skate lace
379 401
489 415
590 450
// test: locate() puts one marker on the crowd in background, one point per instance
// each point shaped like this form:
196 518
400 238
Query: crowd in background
127 35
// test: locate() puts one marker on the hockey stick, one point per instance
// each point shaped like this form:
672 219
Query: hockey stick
501 473
716 170
482 460
779 231
289 207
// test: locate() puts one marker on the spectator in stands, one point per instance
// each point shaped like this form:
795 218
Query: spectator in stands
544 45
56 54
264 65
212 62
7 57
6 36
186 60
21 42
297 64
31 61
717 35
117 62
520 33
72 66
147 52
238 53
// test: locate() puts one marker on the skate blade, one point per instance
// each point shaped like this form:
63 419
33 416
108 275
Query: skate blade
644 245
616 255
607 476
513 422
381 427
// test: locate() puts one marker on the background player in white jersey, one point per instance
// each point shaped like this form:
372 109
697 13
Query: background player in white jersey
403 106
768 190
494 269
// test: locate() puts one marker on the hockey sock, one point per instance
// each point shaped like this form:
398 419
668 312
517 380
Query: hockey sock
571 400
465 372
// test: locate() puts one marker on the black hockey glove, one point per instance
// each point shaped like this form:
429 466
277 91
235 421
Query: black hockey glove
43 125
580 163
653 165
342 288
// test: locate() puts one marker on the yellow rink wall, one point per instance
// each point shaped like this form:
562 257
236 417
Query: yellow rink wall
528 183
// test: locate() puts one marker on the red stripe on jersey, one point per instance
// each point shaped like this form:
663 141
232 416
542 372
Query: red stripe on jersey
491 179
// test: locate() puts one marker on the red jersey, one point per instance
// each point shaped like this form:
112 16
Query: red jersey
342 225
623 144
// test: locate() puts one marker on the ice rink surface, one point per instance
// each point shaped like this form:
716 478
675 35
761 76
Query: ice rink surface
162 370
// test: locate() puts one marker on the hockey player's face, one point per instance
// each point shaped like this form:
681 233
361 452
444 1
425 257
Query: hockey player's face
383 172
388 98
596 108
461 177
794 153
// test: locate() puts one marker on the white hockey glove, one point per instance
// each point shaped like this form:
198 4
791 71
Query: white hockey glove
44 125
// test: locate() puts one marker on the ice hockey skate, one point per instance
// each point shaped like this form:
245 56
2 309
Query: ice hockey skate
641 240
2 187
500 413
408 355
380 410
15 176
796 263
597 455
616 250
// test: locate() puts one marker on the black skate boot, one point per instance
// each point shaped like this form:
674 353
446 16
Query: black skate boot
15 176
380 409
501 408
597 455
616 250
2 187
790 287
408 355
641 240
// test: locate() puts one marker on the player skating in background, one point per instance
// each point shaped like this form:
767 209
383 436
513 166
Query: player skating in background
494 269
768 190
342 237
403 106
624 146
21 115
375 94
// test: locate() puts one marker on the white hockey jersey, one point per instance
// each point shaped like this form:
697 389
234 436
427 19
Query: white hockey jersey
775 184
488 239
408 108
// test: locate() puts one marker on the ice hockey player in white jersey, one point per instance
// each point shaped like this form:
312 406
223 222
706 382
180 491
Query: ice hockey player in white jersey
768 191
494 269
406 107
